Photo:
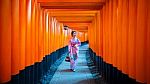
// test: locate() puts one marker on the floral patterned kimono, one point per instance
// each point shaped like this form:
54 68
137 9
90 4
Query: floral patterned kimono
73 47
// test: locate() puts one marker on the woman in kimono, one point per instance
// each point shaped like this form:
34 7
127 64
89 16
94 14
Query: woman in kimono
73 47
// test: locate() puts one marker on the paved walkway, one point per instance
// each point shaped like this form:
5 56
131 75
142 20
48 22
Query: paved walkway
64 75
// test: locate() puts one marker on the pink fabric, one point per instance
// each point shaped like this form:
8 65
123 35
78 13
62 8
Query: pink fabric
72 43
73 51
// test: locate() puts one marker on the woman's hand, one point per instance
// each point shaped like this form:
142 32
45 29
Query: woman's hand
76 45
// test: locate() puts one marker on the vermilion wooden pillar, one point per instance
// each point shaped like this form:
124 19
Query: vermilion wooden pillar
98 33
110 12
114 33
37 25
106 30
22 26
33 31
55 34
148 44
131 37
104 34
44 32
5 40
28 35
61 35
50 30
95 34
52 37
141 41
15 38
40 36
47 33
124 35
101 33
119 32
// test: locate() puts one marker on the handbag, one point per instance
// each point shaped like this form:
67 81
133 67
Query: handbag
67 59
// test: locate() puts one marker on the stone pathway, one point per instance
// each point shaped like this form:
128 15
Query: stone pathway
64 75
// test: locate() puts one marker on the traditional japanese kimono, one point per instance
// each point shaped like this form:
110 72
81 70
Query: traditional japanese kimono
73 47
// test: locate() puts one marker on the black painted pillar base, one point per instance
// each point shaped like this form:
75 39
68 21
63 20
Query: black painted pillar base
33 74
110 73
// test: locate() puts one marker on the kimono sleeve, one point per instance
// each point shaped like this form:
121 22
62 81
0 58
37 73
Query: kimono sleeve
69 46
79 42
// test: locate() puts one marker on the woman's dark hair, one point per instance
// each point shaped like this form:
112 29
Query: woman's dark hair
72 33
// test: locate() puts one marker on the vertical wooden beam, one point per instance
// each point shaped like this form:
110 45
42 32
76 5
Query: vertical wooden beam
22 26
15 48
5 40
124 35
141 41
28 35
131 37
